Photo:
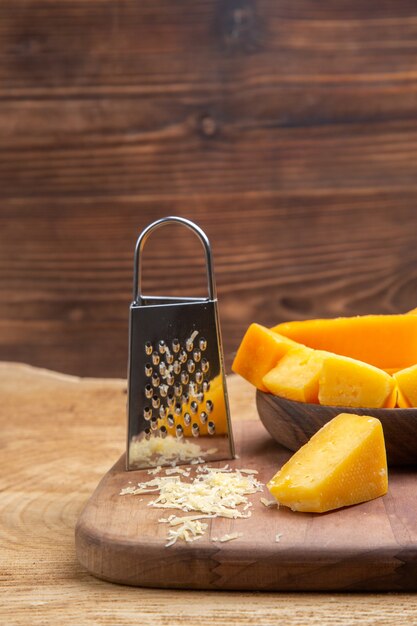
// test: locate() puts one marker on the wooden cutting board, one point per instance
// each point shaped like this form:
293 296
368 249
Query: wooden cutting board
371 546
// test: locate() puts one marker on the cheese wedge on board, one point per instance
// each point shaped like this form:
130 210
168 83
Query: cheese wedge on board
344 463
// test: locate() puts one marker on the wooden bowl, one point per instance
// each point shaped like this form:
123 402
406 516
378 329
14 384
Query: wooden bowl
293 423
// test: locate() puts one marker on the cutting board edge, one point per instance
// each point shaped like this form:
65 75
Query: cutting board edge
305 575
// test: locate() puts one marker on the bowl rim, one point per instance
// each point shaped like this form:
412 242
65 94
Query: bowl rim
341 409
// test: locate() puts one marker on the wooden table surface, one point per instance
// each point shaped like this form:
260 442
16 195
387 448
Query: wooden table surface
58 436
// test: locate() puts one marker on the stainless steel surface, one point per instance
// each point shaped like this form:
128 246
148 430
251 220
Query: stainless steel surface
177 399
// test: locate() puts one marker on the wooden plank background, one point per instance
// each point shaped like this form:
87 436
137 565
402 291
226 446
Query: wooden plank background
286 128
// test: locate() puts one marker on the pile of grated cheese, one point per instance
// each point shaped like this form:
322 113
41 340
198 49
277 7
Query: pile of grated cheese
213 492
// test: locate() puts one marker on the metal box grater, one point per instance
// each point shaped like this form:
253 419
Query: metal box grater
177 407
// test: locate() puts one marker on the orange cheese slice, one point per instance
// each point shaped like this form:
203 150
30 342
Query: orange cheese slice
406 380
259 351
385 341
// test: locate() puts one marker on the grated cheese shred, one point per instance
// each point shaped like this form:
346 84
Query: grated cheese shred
154 471
269 503
228 537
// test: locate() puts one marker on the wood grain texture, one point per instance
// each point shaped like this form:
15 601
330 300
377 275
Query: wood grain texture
58 436
292 424
286 129
67 289
358 548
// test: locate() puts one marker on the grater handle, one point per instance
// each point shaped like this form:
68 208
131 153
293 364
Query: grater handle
140 244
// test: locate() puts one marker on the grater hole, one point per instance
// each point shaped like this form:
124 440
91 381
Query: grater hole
176 367
182 357
184 378
197 355
211 428
187 419
148 348
194 407
155 402
170 379
195 429
154 423
162 412
178 408
170 420
190 366
209 406
163 431
147 413
169 358
148 369
179 431
189 345
162 369
185 397
147 432
163 390
205 365
162 346
155 379
175 345
148 391
198 377
170 399
155 358
177 389
200 397
203 344
206 386
203 417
